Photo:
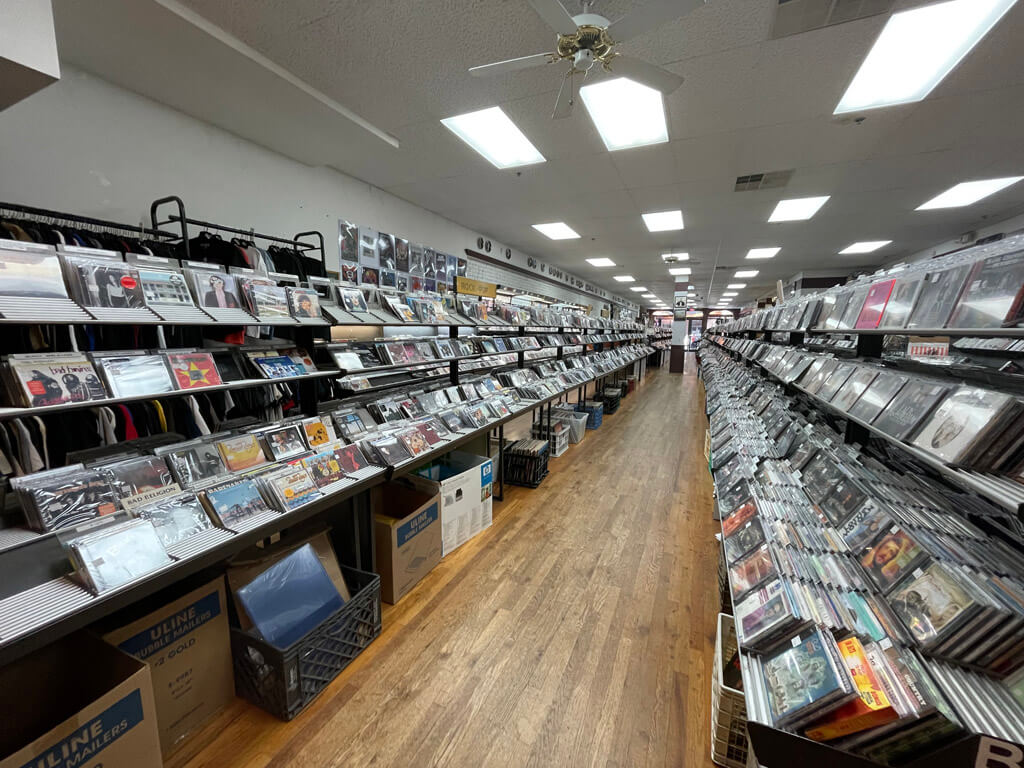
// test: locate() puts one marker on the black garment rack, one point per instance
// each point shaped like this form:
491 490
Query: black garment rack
184 221
60 217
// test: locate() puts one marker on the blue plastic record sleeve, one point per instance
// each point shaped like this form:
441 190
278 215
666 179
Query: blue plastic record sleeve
291 598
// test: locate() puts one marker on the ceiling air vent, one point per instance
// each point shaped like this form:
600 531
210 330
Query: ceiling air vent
795 16
769 180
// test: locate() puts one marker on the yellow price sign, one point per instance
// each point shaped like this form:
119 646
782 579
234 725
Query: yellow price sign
475 287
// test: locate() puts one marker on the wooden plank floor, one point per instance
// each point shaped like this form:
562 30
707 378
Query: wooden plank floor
577 631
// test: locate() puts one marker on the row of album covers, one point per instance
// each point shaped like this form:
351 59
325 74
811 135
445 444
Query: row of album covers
108 280
57 378
871 613
959 424
123 509
979 288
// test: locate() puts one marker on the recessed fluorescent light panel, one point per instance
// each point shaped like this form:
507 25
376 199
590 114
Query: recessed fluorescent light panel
799 209
649 296
682 256
969 192
625 279
493 135
730 294
736 286
746 273
638 289
663 221
762 253
557 230
601 262
917 49
680 271
625 113
868 246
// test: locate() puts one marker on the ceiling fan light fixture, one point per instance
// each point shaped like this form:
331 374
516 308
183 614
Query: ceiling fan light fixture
625 113
491 133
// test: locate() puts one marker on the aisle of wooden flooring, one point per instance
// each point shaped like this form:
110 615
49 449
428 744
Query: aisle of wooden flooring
577 631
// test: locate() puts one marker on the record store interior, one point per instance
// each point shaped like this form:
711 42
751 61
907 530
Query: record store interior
512 383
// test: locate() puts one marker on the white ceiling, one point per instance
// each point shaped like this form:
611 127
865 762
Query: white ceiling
749 104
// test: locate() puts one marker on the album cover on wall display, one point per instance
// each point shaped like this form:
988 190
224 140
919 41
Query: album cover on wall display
348 241
54 379
462 267
429 260
368 247
451 269
965 418
401 254
937 297
106 283
370 276
350 273
416 259
193 370
388 279
440 267
385 251
402 282
993 296
31 273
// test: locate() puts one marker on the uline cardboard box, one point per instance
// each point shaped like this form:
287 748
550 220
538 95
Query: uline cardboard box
78 703
407 537
465 483
188 649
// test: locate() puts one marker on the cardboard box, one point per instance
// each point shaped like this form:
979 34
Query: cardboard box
78 703
465 484
188 649
406 536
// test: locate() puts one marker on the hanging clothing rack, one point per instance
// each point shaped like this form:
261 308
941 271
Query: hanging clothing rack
184 221
89 221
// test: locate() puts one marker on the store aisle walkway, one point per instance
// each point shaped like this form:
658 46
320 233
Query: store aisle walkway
578 631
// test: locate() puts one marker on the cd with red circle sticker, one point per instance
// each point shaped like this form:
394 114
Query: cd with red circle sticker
129 282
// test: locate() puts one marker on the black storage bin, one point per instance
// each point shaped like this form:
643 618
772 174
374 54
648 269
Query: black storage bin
524 469
285 682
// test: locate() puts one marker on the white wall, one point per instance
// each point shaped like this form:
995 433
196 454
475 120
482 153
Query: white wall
88 147
1010 226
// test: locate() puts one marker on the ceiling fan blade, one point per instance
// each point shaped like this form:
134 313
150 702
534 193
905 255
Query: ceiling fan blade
646 74
554 15
511 65
566 98
649 16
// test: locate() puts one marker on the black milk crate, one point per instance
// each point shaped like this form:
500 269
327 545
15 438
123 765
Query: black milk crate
525 469
594 411
285 682
612 399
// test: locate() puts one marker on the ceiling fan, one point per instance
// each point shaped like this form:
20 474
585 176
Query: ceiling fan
589 38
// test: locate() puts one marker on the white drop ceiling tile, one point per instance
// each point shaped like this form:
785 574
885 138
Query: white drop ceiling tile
645 166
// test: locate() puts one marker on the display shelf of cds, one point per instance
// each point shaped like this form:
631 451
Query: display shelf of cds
878 613
894 407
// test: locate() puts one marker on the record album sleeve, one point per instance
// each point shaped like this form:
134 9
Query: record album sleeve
937 297
875 304
193 370
135 375
879 393
234 501
914 403
106 283
391 450
993 296
348 241
192 463
303 302
292 487
284 442
901 302
266 300
54 379
241 452
176 518
964 418
324 468
131 477
162 286
855 386
931 602
31 274
351 459
215 289
64 497
119 554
